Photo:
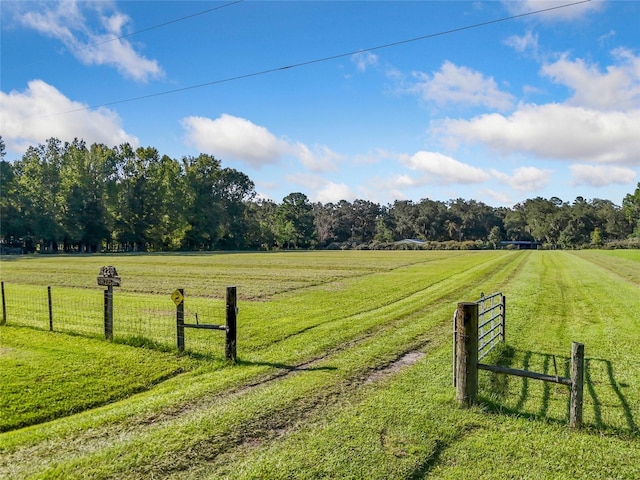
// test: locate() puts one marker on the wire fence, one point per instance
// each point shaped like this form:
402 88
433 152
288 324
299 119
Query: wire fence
139 319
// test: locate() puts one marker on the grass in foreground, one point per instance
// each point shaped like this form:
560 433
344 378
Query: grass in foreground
49 375
327 421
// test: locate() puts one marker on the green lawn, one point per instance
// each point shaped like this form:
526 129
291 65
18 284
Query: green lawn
49 375
324 387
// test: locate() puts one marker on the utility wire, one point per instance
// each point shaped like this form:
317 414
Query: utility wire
153 27
324 59
159 25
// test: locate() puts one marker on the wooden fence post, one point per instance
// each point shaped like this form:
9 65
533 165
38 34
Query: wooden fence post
577 384
50 308
108 313
3 321
467 353
180 321
231 317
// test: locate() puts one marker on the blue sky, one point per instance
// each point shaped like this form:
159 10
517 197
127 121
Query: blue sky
546 104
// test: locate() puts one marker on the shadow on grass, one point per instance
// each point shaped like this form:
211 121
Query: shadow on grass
597 364
598 375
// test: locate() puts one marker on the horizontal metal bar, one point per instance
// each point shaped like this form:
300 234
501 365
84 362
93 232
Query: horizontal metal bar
493 307
525 373
489 297
486 348
487 333
484 354
488 321
208 327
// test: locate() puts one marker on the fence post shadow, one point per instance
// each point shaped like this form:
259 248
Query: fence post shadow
498 384
615 386
598 375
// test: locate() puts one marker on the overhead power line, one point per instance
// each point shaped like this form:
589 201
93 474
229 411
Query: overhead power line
325 59
153 27
203 12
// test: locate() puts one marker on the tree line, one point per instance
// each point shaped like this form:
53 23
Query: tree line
74 197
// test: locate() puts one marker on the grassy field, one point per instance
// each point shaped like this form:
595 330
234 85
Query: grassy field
344 370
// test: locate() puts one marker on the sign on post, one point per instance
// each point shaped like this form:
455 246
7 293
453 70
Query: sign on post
177 297
108 277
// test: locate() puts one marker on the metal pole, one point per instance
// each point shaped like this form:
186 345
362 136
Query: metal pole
504 318
180 322
4 307
50 309
231 317
108 313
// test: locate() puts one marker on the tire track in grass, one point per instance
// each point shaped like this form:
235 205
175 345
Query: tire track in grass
312 399
409 293
261 374
624 269
184 411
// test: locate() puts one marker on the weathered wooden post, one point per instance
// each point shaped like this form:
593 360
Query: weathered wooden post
231 317
50 308
108 278
467 353
4 307
178 299
577 384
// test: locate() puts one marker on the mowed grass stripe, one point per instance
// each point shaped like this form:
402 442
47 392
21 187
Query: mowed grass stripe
564 299
257 275
205 382
411 429
153 316
409 333
624 263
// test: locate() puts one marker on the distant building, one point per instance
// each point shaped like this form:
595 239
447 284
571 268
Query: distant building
410 241
522 244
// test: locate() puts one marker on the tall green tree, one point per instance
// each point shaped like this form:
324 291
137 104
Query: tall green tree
216 209
294 222
631 208
39 179
12 219
88 180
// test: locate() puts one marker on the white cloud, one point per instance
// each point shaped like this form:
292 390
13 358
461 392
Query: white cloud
525 179
443 169
499 197
618 88
363 60
554 131
528 41
600 176
320 159
34 115
460 85
404 181
334 192
89 43
568 13
229 136
604 39
243 140
322 190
